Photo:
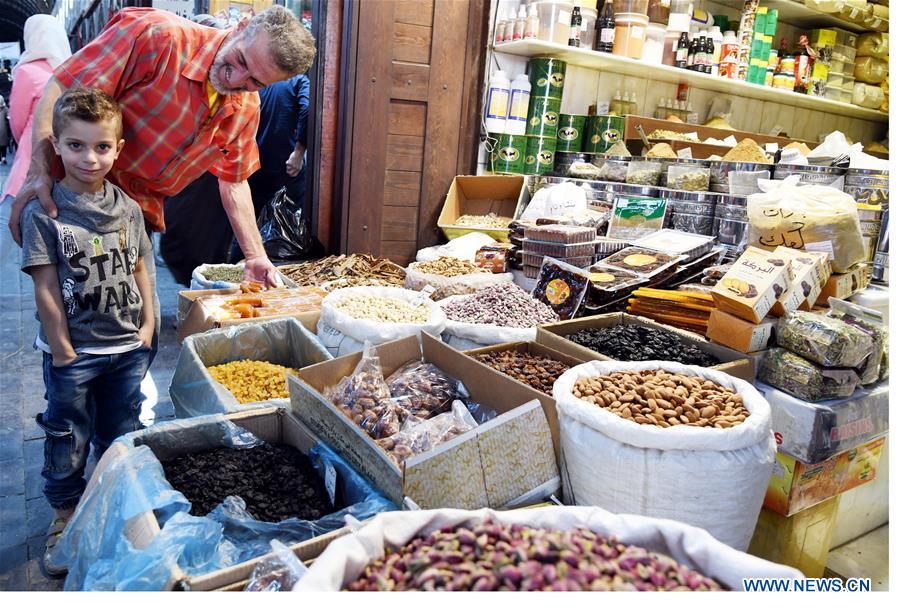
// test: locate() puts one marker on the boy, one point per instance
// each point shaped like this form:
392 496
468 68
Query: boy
94 301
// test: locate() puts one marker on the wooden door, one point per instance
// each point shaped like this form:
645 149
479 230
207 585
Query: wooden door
412 124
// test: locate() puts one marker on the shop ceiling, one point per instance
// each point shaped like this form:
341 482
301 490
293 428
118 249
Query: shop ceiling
13 14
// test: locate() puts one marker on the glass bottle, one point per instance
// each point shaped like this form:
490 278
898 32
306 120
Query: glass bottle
575 25
607 28
681 54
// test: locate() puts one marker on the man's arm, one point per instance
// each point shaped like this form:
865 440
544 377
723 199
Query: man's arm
238 205
294 162
148 321
38 181
52 314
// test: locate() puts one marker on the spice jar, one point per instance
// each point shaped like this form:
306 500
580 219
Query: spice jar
631 30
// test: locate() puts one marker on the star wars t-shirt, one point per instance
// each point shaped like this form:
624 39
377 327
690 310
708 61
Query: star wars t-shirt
94 242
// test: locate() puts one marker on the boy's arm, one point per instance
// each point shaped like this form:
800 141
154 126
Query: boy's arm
148 322
49 301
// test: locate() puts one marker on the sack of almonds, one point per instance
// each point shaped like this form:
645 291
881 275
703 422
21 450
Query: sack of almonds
667 440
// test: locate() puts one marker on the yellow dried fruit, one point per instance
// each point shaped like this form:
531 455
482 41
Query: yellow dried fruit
252 381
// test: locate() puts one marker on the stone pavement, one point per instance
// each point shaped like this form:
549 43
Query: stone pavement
24 513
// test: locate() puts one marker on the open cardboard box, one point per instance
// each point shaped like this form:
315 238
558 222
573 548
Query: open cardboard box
193 317
274 425
553 335
502 463
481 195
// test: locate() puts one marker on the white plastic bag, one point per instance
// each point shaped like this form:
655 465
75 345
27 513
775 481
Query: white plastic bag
710 478
468 336
555 201
465 247
807 217
343 334
445 286
346 557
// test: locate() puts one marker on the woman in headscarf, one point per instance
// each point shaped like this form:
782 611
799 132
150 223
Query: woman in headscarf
46 47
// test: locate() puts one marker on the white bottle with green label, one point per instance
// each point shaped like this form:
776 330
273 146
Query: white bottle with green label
497 103
520 93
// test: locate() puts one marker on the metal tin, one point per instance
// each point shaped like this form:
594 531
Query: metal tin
870 226
564 159
731 200
547 76
863 177
738 213
539 153
570 132
730 231
603 131
695 224
508 156
873 196
635 190
543 117
718 173
691 202
827 176
881 264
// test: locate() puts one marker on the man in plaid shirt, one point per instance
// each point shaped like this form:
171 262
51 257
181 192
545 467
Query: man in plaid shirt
188 95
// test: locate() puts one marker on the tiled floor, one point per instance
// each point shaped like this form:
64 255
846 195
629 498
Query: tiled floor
24 513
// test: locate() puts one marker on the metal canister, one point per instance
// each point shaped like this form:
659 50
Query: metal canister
863 177
827 176
508 154
881 265
570 133
730 224
691 211
719 173
543 116
539 154
564 159
547 76
870 225
602 131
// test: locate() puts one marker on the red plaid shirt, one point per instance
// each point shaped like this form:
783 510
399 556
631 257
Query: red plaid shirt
156 65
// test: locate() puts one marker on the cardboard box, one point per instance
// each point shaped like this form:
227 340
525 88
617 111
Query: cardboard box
802 540
805 274
842 286
547 401
743 336
274 425
553 335
795 485
752 285
193 317
481 195
505 462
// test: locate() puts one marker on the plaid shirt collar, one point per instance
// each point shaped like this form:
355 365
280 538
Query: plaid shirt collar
198 67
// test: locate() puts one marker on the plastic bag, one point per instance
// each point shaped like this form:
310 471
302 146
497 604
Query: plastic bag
465 247
711 478
365 398
825 340
446 286
871 323
804 379
423 390
284 341
279 571
481 413
834 145
421 435
872 44
555 200
345 558
808 217
284 230
870 70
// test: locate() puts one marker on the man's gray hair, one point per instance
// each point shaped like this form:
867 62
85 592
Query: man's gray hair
291 44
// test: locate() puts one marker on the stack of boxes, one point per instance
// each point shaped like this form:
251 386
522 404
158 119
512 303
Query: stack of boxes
839 46
760 70
567 243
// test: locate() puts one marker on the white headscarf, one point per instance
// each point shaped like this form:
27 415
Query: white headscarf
45 39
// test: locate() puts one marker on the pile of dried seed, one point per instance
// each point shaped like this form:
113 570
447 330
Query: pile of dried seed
533 370
503 305
498 557
448 266
657 397
338 271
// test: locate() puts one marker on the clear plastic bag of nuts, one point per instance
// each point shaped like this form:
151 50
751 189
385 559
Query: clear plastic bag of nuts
364 398
423 390
421 435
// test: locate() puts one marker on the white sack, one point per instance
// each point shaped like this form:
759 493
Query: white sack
711 478
446 286
557 200
345 558
465 247
467 336
342 334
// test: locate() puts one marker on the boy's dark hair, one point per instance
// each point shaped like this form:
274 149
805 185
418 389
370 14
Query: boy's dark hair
87 104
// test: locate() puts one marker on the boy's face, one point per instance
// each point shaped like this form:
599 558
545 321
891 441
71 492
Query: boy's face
88 151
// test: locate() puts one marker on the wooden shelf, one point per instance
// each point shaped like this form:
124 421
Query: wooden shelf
801 16
617 64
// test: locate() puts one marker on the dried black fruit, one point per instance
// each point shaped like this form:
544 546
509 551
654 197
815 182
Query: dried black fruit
806 288
776 262
639 343
778 290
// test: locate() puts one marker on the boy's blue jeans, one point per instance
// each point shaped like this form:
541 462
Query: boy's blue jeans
72 420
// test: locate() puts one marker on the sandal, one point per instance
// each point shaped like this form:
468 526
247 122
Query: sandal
54 532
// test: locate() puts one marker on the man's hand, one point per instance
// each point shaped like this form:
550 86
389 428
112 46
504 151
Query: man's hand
65 357
261 270
39 184
294 163
145 333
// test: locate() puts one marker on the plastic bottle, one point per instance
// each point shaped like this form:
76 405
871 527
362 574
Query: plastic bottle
575 25
633 105
510 25
519 95
497 103
500 32
717 39
729 56
607 28
681 53
519 27
661 109
615 107
532 22
692 117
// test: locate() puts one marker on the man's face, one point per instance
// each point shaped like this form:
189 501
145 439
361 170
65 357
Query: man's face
244 64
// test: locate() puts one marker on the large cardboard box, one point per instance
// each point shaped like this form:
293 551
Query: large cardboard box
553 336
743 336
481 195
795 485
502 463
274 425
193 317
801 540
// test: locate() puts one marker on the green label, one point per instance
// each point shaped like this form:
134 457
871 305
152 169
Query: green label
542 82
644 208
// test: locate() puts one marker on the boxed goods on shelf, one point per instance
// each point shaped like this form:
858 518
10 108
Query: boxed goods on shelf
842 286
796 486
499 463
752 285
